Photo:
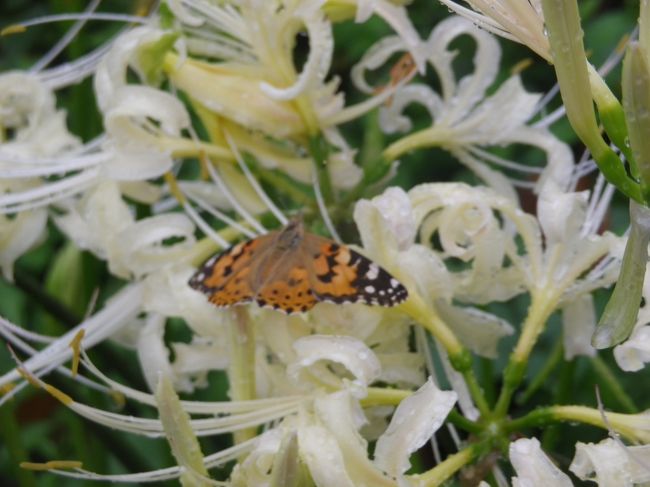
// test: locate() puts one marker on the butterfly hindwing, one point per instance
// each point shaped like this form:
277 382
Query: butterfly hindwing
290 292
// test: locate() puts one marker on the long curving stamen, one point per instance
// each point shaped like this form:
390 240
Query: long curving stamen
253 182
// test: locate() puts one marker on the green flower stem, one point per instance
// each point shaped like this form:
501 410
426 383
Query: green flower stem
543 304
429 137
444 470
554 358
618 319
565 36
459 357
634 427
636 101
462 422
379 396
562 395
319 151
540 417
608 380
241 372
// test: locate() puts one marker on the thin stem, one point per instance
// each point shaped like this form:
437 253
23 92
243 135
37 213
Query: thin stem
608 380
459 357
540 309
241 372
319 151
542 377
444 470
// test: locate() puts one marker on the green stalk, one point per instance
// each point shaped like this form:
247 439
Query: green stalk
540 309
618 319
445 469
608 380
319 151
552 361
565 37
241 372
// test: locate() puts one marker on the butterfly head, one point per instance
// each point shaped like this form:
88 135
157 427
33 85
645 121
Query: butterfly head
292 235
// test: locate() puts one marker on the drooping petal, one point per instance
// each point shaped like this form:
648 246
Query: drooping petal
414 422
533 467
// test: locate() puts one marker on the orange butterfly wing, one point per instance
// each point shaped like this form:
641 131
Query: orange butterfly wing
225 278
291 271
341 275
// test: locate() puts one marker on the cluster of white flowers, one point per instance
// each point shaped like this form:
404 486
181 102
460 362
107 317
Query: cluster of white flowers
226 70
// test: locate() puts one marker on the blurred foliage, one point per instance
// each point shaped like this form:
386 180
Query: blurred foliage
54 282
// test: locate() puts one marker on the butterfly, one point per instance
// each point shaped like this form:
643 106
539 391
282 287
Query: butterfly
291 270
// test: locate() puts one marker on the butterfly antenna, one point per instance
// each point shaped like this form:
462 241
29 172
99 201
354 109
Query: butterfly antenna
322 208
253 182
218 180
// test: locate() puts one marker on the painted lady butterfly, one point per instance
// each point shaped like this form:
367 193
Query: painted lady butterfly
291 270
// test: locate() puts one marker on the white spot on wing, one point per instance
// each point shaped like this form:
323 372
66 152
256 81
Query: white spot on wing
394 282
369 289
373 271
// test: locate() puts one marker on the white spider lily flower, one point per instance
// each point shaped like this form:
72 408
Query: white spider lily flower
464 119
38 136
517 20
388 225
533 467
253 83
415 421
611 464
102 223
334 452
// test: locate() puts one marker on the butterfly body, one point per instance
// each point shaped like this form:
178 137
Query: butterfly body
291 270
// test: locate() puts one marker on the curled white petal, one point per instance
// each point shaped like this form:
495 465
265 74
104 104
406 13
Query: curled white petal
533 467
318 61
416 419
18 235
350 352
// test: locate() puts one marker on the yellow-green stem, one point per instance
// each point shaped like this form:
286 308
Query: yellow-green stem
459 357
444 470
541 307
241 372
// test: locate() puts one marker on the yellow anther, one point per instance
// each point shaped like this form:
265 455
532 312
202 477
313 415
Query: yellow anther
76 350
